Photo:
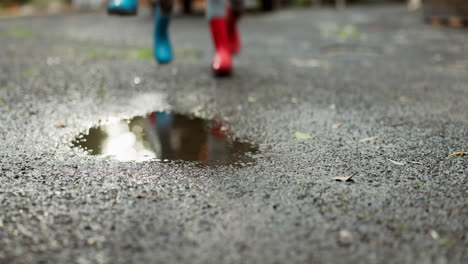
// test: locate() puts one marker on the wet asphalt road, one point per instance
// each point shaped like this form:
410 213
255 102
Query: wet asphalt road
341 77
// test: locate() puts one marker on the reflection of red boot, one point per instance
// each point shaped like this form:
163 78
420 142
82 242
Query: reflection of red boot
222 62
233 33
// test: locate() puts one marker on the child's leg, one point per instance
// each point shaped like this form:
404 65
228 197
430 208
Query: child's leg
215 13
166 7
233 14
122 7
237 6
162 44
215 8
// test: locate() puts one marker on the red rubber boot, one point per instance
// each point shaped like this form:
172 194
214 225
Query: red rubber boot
233 33
222 62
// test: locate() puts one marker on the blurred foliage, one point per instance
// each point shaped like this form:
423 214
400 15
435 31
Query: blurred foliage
130 53
6 3
11 2
315 2
19 33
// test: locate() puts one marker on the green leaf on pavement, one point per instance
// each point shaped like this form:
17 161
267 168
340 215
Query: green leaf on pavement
458 154
300 135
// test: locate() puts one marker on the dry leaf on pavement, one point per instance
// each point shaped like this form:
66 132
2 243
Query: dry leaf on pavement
396 162
336 126
369 139
251 99
344 179
142 195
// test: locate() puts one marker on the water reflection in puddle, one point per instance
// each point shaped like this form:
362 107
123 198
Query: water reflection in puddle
165 136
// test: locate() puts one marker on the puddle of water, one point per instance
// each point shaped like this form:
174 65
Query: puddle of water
165 136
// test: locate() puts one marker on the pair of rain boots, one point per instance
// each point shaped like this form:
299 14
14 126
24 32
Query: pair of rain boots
223 30
225 38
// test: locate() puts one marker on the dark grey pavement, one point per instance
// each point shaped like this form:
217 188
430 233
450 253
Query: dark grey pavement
367 72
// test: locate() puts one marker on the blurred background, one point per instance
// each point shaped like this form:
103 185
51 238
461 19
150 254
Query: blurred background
453 13
28 7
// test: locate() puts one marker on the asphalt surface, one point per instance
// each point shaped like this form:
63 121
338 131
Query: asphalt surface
366 72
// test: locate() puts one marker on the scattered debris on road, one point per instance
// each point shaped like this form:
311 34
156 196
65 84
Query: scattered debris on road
345 238
142 195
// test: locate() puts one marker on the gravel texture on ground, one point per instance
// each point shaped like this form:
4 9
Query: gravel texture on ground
375 73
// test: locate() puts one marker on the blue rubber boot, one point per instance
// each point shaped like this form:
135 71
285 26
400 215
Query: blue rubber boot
162 43
122 7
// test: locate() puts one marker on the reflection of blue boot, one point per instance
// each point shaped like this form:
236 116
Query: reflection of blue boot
162 44
122 7
164 121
